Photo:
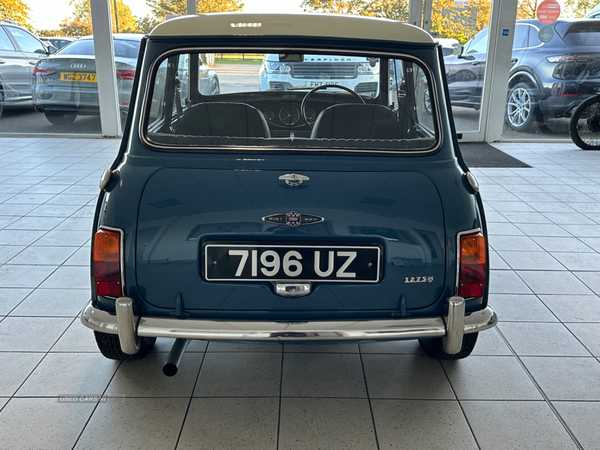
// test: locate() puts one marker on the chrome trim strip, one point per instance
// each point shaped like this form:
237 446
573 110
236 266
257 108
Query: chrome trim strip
458 235
143 126
415 328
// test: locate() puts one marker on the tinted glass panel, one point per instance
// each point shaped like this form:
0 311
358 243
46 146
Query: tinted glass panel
5 43
26 41
292 101
123 49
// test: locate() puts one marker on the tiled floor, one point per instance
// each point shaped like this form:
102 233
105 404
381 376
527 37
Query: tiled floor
533 382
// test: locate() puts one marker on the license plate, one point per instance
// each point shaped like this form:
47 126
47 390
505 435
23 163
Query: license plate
321 83
75 76
348 264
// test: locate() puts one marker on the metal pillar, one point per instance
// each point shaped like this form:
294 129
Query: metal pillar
108 98
502 32
415 10
191 7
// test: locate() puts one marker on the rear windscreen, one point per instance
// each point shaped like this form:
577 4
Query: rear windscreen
122 48
291 101
586 34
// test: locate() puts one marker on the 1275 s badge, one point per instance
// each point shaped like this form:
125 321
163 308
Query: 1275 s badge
293 219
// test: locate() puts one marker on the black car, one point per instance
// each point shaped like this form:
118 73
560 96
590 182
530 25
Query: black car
19 51
546 79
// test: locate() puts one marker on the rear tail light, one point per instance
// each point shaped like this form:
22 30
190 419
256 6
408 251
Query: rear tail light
107 262
125 74
472 265
43 71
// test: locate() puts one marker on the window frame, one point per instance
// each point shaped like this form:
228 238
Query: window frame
161 57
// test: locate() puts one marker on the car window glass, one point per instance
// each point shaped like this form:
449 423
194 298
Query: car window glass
123 49
520 39
26 41
586 34
5 43
258 108
479 43
533 37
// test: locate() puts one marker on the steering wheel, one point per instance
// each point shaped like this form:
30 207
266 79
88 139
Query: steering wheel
318 88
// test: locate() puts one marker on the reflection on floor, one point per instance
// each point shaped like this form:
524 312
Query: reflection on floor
532 382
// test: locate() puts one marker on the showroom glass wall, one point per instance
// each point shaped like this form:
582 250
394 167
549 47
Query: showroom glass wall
66 101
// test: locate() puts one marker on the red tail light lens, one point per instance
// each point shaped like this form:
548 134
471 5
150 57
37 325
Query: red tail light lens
107 263
43 71
125 74
472 265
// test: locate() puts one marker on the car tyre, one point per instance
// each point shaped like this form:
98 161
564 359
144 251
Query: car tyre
1 100
521 107
435 349
215 89
57 118
109 346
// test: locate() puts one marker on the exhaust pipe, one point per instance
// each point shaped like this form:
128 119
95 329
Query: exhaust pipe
175 356
39 108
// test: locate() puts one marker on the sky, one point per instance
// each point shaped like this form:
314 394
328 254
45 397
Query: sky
47 14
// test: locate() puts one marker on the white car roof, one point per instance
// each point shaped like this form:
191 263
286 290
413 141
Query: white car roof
308 24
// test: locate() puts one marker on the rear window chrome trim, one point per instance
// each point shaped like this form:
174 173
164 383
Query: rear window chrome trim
143 123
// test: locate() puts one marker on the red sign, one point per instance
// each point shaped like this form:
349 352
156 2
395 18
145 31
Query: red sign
548 11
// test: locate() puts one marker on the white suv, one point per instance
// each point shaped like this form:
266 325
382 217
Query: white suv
282 72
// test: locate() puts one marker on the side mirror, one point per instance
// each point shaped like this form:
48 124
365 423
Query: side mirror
458 49
52 49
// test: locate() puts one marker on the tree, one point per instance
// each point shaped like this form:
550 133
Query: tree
389 9
81 22
526 9
16 11
162 8
146 24
460 23
577 8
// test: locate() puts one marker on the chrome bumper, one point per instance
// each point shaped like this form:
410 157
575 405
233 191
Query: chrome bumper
130 328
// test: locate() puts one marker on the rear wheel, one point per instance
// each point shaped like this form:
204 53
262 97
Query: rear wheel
584 125
58 118
435 349
215 89
521 107
109 346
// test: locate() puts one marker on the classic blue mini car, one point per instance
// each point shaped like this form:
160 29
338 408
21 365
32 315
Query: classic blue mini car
310 214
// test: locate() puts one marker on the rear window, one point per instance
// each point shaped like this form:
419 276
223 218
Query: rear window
123 49
585 33
267 101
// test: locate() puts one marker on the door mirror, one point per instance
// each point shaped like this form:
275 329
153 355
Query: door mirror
458 49
52 49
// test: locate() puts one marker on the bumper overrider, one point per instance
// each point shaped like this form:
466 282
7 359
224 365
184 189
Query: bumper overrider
130 328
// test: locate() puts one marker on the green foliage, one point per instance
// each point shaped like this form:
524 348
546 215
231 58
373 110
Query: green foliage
80 23
16 11
146 24
577 8
389 9
162 8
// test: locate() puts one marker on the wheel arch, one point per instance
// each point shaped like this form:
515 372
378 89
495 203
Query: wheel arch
522 76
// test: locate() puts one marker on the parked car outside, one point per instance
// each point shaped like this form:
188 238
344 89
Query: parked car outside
65 86
546 79
58 42
292 216
282 72
19 51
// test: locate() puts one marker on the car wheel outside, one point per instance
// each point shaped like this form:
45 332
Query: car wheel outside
215 88
57 118
1 100
435 349
109 346
521 107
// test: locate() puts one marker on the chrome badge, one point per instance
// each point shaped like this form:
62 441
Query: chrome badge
293 179
293 219
77 66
